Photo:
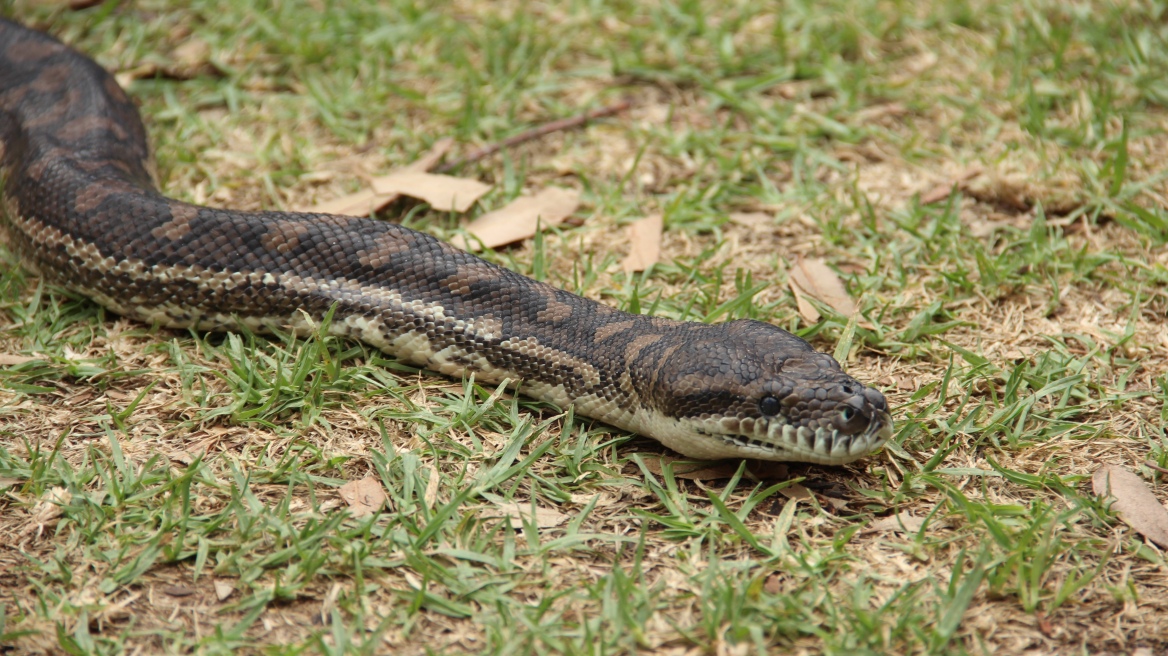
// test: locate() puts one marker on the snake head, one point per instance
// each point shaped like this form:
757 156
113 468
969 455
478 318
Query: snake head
747 389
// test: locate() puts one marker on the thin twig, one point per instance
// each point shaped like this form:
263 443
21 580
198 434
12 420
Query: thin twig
1151 465
535 133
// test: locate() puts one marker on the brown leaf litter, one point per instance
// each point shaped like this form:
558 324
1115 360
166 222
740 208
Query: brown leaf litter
365 496
812 278
645 244
1134 502
520 218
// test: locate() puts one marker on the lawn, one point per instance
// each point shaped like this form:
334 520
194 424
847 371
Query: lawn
987 178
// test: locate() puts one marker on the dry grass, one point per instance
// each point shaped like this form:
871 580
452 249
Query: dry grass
1020 333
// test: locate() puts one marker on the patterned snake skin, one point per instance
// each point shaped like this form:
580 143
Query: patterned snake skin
80 207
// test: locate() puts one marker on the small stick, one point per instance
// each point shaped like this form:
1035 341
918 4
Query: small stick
1151 465
535 133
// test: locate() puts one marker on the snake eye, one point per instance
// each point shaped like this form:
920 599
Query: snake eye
769 406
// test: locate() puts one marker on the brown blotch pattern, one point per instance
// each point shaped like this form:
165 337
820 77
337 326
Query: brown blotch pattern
93 194
638 344
29 51
82 126
115 91
386 246
51 78
50 116
179 225
555 311
469 274
284 237
604 332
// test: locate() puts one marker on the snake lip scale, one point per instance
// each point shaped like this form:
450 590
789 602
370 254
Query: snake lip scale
80 207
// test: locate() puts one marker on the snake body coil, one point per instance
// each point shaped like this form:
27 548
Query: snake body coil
79 205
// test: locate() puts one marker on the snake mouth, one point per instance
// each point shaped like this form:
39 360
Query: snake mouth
824 445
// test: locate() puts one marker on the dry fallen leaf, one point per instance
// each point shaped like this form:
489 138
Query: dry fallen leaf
329 505
178 590
774 585
8 358
813 278
712 470
1045 625
602 499
431 494
942 191
1134 502
444 193
49 507
187 61
835 502
796 492
367 201
520 218
193 51
755 221
362 203
223 590
364 497
518 512
901 523
645 237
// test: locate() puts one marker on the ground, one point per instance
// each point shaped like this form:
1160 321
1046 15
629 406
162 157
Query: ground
987 179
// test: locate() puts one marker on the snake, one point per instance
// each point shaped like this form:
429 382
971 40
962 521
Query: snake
80 208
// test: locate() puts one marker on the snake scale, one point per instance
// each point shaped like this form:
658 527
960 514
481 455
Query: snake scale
80 207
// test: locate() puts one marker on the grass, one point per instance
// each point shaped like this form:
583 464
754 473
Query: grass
1017 327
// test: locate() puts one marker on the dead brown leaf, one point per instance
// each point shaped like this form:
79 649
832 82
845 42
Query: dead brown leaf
9 359
178 590
1044 624
796 492
223 589
835 502
444 193
755 221
1134 502
193 51
602 499
361 203
520 218
773 585
518 512
813 278
49 507
189 60
367 201
942 191
645 238
364 497
431 494
901 522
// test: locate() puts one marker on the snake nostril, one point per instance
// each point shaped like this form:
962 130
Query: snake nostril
875 399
